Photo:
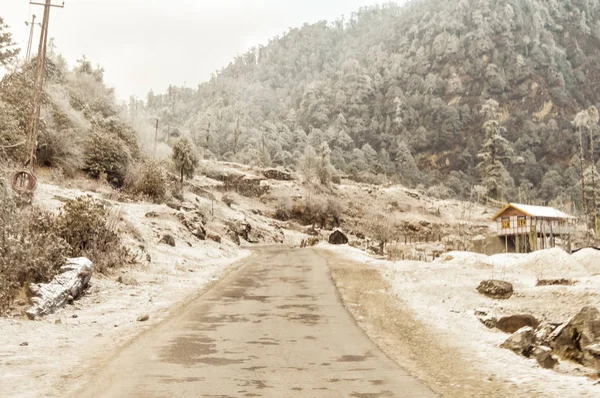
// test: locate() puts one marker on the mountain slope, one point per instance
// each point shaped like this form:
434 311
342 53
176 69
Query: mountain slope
397 82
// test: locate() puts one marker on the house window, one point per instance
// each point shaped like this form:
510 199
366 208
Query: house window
506 223
522 222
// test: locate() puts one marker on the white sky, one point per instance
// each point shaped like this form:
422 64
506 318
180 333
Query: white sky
146 44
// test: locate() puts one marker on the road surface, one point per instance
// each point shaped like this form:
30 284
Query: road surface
275 327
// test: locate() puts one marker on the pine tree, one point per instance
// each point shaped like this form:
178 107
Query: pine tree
184 158
494 150
7 46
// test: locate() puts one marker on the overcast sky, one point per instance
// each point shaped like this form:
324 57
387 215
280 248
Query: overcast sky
146 44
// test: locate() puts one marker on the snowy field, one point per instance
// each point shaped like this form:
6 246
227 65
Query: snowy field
443 296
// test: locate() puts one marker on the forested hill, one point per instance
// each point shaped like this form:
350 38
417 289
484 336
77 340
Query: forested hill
398 90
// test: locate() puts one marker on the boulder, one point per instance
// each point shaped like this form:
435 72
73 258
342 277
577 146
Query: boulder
543 356
277 174
194 223
338 238
68 285
579 339
496 289
521 342
214 237
168 240
512 323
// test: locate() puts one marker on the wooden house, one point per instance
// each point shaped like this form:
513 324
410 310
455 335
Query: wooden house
526 228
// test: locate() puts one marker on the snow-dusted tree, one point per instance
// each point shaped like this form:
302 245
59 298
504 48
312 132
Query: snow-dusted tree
185 159
583 122
8 51
324 169
406 167
494 151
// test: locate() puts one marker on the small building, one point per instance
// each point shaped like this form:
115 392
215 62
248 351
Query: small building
526 228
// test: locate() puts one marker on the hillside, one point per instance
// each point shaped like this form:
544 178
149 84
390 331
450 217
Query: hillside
398 90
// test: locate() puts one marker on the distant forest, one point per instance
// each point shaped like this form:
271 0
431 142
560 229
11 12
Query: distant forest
399 91
463 98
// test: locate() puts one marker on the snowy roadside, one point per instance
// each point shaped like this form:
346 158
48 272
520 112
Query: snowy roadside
50 356
442 297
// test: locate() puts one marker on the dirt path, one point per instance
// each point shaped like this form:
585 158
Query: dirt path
273 328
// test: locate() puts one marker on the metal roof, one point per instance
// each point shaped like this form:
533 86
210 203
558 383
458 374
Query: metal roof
535 211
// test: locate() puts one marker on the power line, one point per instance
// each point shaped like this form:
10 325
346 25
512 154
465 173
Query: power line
40 68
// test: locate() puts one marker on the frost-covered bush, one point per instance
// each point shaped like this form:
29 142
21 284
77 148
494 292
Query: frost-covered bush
90 229
107 154
31 250
151 180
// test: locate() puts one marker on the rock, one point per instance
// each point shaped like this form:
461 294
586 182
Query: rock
174 205
128 280
143 318
496 289
168 240
277 174
486 317
543 332
74 316
578 339
194 222
24 344
520 342
338 238
70 283
543 356
215 238
512 323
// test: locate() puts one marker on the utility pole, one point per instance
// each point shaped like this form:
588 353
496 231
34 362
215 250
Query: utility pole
30 42
38 84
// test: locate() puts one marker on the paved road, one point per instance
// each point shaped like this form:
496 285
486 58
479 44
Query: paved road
273 328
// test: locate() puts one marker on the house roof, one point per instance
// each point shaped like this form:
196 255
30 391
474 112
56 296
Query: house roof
534 211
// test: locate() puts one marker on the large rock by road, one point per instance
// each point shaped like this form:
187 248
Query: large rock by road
579 339
67 286
501 290
521 342
512 323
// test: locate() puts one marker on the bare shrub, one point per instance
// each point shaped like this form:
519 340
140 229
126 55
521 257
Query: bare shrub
151 181
30 249
319 210
91 231
381 228
284 207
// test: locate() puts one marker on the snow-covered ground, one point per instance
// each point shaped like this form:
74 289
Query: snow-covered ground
443 296
42 358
